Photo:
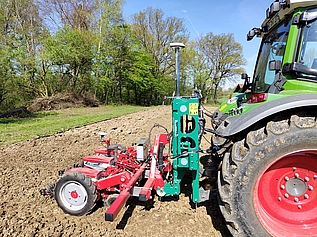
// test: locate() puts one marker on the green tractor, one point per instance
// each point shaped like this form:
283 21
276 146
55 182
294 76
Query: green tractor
266 133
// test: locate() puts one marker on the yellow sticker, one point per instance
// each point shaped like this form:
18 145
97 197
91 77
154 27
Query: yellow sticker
223 107
193 108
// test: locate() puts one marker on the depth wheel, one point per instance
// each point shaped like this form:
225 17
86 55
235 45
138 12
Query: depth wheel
268 183
75 193
110 199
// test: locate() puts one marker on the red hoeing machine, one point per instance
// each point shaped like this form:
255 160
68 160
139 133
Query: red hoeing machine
112 175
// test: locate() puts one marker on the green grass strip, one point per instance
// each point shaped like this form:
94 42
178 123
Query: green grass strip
43 123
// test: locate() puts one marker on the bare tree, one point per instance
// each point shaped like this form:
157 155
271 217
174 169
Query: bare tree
75 14
156 33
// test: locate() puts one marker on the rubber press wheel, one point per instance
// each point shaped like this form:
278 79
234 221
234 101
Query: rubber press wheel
75 193
268 182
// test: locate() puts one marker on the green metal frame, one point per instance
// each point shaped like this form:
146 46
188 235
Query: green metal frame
185 145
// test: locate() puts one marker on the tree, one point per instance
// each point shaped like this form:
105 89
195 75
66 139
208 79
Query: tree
223 57
22 33
70 53
191 69
74 14
112 41
83 46
122 69
155 33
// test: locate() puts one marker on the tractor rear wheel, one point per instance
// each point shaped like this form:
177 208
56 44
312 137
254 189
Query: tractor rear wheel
268 182
75 193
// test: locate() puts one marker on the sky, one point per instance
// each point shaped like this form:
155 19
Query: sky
204 16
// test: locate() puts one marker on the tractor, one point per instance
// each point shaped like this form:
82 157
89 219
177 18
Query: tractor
263 143
267 131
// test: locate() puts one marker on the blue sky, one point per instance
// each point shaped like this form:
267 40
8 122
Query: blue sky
204 16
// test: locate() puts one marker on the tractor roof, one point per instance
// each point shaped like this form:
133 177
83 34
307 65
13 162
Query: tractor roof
279 9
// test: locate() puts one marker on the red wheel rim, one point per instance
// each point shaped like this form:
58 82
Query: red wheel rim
285 195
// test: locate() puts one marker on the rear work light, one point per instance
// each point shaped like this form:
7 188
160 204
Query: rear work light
257 98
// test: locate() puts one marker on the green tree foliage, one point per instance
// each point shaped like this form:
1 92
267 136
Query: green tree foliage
219 59
86 47
70 54
122 68
125 66
21 35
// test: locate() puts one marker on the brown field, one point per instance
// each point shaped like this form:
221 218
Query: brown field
29 166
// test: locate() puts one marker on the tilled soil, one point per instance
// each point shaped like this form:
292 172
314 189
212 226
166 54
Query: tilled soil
29 166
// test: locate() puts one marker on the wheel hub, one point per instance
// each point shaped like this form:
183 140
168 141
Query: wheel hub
285 195
74 194
296 187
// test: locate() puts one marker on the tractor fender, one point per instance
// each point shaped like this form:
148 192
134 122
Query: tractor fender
233 125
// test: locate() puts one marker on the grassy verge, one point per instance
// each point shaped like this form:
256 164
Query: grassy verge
13 130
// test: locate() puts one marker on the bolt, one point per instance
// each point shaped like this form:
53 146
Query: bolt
296 175
286 178
282 187
286 195
306 179
299 207
279 198
306 196
315 176
294 168
296 199
310 188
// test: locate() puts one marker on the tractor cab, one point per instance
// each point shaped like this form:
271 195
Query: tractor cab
286 66
289 47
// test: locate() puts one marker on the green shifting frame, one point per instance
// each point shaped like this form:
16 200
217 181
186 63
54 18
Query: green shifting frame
185 145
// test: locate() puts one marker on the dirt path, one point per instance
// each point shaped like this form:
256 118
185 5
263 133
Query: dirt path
27 167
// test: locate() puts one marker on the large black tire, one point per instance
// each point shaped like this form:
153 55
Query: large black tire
267 182
75 193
